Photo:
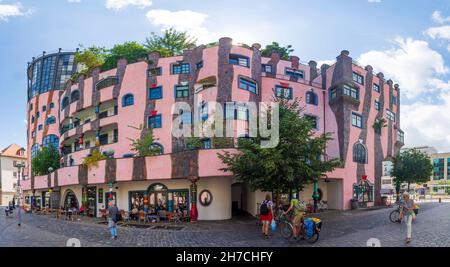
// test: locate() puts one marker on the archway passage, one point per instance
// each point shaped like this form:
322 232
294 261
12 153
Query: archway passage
239 199
70 200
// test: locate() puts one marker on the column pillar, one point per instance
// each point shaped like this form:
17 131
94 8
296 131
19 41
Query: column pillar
194 210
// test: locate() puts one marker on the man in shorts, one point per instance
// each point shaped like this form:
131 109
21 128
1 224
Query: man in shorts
299 211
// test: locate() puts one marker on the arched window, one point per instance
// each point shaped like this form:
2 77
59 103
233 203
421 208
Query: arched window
157 196
311 98
127 100
158 148
64 103
34 150
51 140
74 96
359 153
50 120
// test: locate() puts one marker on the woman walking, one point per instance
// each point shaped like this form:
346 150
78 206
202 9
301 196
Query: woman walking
113 213
408 211
266 215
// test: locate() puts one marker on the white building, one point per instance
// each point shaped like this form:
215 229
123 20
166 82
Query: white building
9 158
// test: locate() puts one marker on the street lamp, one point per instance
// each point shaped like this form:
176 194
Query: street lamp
19 167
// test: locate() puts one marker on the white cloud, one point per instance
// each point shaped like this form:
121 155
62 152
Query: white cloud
442 32
411 63
12 10
183 20
74 1
374 1
121 4
438 18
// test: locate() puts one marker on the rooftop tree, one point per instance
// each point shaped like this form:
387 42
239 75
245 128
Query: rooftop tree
171 43
284 52
131 51
46 158
411 166
299 158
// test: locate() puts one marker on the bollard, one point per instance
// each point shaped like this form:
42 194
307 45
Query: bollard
440 200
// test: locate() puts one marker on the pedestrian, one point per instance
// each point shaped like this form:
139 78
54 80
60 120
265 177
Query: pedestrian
7 211
266 211
113 214
408 212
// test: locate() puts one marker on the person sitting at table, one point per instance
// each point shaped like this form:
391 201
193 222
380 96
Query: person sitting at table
82 210
134 213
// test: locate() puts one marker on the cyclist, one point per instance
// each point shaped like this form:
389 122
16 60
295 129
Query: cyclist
299 211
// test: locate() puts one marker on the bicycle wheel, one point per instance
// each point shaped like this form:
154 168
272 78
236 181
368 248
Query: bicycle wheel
394 216
312 239
286 230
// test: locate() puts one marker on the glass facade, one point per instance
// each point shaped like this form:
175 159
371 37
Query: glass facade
50 72
438 169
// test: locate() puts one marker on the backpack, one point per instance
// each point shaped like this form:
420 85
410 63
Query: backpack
264 209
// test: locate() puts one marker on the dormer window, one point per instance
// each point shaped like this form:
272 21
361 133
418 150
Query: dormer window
239 60
267 68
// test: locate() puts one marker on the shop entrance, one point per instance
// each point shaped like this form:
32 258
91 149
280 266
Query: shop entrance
70 201
91 208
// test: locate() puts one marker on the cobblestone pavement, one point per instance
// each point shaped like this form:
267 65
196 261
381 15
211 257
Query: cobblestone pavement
348 229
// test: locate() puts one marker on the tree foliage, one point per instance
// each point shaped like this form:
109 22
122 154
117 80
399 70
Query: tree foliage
47 157
171 43
131 51
144 146
411 166
284 52
93 159
298 159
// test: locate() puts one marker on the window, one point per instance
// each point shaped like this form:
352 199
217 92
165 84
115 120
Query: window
356 120
44 108
40 127
52 105
181 91
204 111
438 169
333 93
377 105
15 163
295 73
158 148
186 117
235 111
358 78
64 103
199 65
394 100
37 114
313 120
312 99
376 88
127 100
390 115
155 93
74 96
31 106
155 122
247 84
50 120
283 92
34 150
230 111
33 134
401 136
350 91
206 143
267 68
51 140
359 153
107 82
155 72
15 174
239 60
182 68
32 119
242 113
103 139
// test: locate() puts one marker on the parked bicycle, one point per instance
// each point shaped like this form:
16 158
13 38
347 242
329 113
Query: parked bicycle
394 216
286 227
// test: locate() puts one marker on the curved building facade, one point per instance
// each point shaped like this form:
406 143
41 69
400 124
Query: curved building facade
108 110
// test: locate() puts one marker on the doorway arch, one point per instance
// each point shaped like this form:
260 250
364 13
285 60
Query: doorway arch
157 196
70 200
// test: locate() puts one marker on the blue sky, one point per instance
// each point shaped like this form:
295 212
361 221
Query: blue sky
408 40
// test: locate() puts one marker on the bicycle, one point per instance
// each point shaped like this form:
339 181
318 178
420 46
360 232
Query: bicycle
284 223
288 232
394 216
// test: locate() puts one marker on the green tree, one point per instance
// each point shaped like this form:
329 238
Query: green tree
172 43
411 166
284 52
47 157
89 59
131 51
298 159
144 146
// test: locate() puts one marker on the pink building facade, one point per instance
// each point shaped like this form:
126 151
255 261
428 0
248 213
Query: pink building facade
107 110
